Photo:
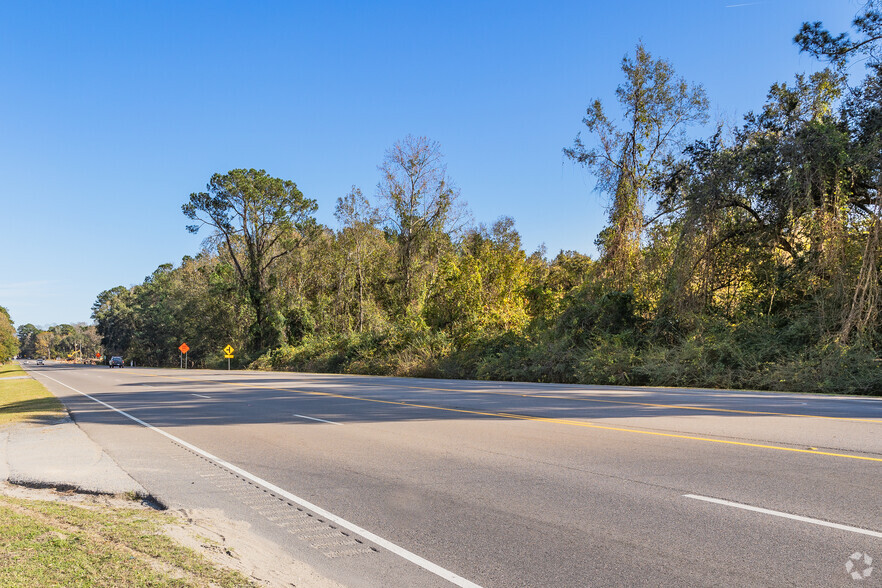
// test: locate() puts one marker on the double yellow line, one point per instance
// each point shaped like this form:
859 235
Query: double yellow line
567 422
633 403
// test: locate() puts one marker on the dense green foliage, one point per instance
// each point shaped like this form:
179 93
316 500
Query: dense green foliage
8 338
750 258
257 220
76 342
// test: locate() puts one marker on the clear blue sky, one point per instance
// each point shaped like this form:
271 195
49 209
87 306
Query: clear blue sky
112 113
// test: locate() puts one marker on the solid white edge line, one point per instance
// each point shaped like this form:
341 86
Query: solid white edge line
787 515
364 533
320 420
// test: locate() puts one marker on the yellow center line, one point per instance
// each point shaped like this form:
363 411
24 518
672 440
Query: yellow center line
526 418
633 403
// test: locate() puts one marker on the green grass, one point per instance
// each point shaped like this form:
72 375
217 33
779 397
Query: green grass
8 370
55 544
26 399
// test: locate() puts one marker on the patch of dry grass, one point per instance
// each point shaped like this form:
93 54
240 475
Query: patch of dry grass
53 544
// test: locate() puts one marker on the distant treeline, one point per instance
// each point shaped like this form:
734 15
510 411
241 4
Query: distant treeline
75 342
750 258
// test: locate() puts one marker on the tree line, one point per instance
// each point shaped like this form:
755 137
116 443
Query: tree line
77 342
748 258
8 339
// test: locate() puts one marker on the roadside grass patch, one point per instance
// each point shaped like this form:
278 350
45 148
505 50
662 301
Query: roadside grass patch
27 400
54 544
10 369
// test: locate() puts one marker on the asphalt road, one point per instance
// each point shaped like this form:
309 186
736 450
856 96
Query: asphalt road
409 482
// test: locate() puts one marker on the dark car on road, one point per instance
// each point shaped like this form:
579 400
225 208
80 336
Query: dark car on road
116 361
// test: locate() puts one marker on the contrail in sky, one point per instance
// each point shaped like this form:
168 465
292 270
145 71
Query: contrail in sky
745 4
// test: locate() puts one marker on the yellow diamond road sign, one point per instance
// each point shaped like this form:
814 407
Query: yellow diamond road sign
228 350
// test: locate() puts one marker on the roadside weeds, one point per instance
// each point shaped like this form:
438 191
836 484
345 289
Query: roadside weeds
93 543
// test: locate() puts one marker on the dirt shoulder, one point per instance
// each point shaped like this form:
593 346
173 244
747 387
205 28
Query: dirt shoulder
61 538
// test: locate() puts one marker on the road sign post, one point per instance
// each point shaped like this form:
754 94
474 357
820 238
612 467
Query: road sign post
184 348
228 353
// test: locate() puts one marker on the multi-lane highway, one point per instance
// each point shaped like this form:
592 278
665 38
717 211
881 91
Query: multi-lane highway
405 482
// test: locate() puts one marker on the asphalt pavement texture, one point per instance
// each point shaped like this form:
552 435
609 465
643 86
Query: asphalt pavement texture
411 482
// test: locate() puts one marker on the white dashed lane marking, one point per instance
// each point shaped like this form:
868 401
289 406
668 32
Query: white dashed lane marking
787 515
319 420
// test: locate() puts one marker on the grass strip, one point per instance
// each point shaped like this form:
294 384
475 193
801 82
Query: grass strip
8 370
55 544
26 399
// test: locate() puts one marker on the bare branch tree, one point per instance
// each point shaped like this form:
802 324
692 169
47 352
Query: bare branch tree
421 205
